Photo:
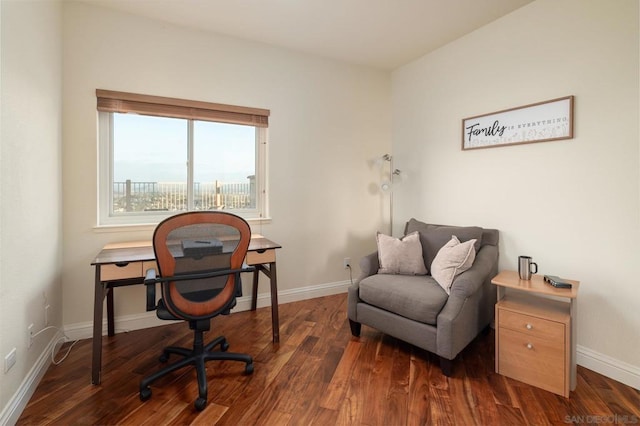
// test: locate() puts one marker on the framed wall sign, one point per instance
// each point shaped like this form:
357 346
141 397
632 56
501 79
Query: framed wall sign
543 121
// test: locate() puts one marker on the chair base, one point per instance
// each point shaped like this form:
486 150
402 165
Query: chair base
197 357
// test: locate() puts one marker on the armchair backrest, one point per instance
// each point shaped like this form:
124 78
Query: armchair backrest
433 237
204 251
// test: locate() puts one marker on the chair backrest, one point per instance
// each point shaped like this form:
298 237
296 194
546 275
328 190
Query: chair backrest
197 244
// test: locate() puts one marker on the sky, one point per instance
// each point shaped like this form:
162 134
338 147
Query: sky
154 149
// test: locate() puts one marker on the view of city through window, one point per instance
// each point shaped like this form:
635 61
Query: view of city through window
151 165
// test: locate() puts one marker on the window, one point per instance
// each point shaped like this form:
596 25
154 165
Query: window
160 156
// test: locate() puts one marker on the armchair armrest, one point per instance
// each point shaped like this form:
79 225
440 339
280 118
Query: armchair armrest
369 265
469 283
483 268
470 305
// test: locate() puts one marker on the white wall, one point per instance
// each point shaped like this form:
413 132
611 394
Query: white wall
573 205
30 185
327 119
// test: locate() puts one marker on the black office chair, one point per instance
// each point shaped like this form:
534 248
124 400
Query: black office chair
200 257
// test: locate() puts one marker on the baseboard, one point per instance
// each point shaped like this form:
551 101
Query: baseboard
609 367
17 403
126 323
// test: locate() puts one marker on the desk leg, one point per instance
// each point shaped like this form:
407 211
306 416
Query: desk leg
275 321
111 328
271 273
98 298
254 291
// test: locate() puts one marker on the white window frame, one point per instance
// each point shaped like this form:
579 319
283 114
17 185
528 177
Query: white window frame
107 218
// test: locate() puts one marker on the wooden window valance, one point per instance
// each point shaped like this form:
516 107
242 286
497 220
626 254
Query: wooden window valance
122 102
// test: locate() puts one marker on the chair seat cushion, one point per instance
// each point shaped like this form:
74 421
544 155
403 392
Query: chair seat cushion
419 298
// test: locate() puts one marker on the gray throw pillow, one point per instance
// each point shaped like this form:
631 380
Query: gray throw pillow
434 237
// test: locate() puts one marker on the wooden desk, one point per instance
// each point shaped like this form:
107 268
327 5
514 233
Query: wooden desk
124 264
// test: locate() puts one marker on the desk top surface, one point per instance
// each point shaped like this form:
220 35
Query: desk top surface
141 251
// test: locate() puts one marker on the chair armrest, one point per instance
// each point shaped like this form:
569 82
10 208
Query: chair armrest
369 265
204 275
470 282
150 281
470 305
483 268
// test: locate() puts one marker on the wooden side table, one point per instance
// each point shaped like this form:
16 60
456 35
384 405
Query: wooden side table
536 334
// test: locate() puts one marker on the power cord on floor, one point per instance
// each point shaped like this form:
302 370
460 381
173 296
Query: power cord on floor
350 274
64 339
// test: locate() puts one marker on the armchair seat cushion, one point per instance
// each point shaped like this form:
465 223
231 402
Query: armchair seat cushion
419 298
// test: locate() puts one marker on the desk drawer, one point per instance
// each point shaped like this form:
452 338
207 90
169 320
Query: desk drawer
267 256
149 265
532 326
114 272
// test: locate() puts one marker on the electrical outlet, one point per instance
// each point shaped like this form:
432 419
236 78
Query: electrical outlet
346 263
47 312
30 335
9 360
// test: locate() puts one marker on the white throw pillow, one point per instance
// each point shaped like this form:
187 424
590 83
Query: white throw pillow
453 259
400 256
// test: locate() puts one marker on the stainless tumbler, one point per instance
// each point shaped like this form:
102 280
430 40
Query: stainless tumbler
525 265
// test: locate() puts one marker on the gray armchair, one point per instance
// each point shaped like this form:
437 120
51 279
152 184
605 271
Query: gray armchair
416 309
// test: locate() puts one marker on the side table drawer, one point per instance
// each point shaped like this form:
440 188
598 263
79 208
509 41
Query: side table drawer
532 326
533 360
255 257
114 272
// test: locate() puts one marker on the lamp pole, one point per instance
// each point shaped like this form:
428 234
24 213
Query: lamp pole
389 187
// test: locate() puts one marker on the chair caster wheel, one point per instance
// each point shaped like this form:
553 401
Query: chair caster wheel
248 369
145 394
224 346
163 358
200 404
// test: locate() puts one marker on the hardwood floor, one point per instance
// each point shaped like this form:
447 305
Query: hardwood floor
317 375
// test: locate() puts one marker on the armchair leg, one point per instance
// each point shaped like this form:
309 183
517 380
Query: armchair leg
446 365
486 330
355 328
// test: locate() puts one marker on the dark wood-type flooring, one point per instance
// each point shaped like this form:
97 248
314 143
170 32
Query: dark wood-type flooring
317 375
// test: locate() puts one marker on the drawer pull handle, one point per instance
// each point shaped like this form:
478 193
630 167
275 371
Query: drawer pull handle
529 346
529 326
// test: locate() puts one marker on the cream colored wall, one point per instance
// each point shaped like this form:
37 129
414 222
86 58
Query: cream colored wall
573 205
327 119
30 183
